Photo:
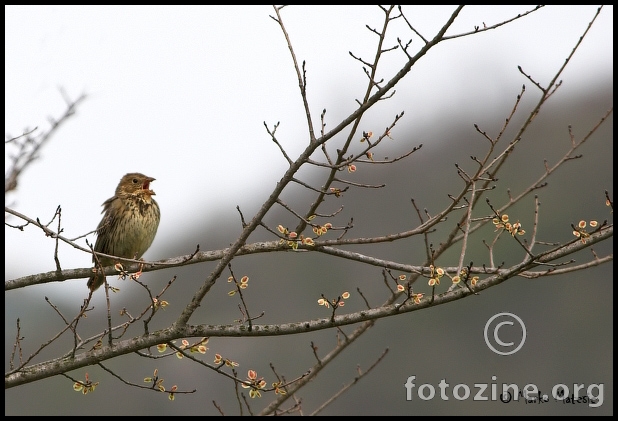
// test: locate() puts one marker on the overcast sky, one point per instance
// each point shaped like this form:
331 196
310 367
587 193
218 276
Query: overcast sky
181 95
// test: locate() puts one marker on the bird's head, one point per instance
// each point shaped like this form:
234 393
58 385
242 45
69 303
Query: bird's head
135 183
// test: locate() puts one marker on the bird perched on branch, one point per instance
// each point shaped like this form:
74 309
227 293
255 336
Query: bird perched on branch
129 225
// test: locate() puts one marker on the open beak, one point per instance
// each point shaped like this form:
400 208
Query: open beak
146 186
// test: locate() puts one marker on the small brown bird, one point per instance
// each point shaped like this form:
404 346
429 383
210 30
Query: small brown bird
129 225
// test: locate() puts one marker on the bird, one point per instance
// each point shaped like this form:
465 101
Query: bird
129 224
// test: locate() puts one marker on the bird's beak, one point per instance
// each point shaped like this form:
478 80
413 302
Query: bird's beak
146 186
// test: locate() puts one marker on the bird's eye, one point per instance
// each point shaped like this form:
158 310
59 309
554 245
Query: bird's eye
135 181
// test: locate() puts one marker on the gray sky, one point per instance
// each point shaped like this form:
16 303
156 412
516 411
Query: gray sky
181 94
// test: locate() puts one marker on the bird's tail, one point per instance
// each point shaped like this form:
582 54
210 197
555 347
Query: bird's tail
95 281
